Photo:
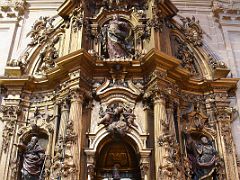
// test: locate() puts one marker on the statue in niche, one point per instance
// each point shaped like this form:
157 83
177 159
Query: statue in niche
33 160
116 174
202 156
117 39
117 118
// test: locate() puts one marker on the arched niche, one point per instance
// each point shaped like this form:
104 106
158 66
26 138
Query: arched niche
44 133
117 38
43 142
123 21
117 155
201 154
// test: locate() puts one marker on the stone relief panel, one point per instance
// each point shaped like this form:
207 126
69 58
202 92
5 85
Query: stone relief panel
117 118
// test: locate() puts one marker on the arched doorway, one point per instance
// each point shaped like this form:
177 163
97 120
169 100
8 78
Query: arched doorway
117 158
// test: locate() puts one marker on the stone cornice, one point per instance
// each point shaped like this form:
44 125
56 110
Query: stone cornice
170 65
38 5
153 60
10 10
226 12
66 8
77 60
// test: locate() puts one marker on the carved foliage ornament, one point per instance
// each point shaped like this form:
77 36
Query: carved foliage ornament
77 19
22 61
172 166
226 132
41 30
216 64
13 9
186 56
7 132
41 119
63 164
48 55
167 141
157 21
8 114
192 31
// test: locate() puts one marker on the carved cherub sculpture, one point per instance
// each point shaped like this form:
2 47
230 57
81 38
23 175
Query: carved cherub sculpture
117 118
107 118
130 117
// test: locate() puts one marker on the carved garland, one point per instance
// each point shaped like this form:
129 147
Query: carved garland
9 115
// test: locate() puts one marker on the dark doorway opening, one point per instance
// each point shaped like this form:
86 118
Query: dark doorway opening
117 159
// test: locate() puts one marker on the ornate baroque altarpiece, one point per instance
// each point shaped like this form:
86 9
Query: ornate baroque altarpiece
117 90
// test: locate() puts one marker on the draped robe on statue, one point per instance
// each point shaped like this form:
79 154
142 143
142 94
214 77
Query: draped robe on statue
33 159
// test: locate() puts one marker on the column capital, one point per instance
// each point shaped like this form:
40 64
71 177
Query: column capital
159 97
76 95
170 105
10 112
64 104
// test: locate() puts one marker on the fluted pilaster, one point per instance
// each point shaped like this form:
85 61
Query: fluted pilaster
64 118
159 118
76 117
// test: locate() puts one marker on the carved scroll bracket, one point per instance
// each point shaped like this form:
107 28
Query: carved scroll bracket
77 19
